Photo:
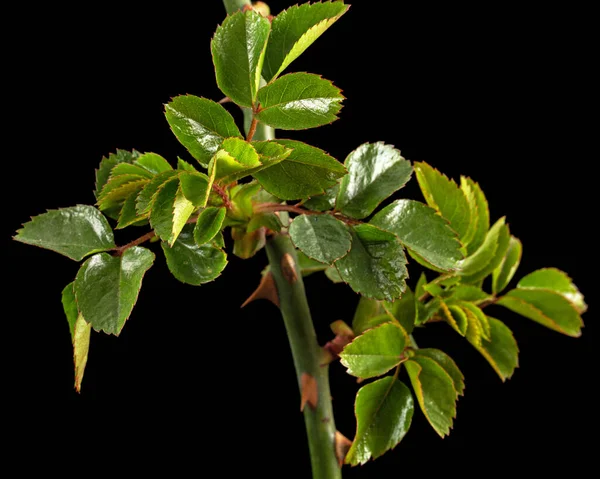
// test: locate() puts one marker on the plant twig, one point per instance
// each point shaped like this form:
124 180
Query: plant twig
252 129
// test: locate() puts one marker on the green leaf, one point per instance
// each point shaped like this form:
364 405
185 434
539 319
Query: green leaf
467 292
501 351
129 169
323 202
375 171
384 410
435 392
376 351
107 287
444 196
474 329
81 347
233 161
507 268
242 199
268 220
154 163
193 264
489 255
182 210
421 230
456 317
547 307
484 325
557 281
420 287
375 266
480 214
145 197
366 310
447 364
75 232
129 215
195 187
270 153
308 265
183 165
108 163
320 237
238 50
308 171
333 275
161 216
70 306
118 189
403 310
200 125
245 244
294 30
209 224
298 101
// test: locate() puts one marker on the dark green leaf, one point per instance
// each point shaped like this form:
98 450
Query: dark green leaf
74 232
320 237
268 220
375 171
209 224
555 280
325 201
193 264
467 292
107 287
234 160
333 274
308 265
298 101
146 196
501 350
129 169
108 163
421 230
435 392
384 410
70 306
366 310
308 171
375 266
238 50
195 187
480 214
546 307
403 310
376 351
200 125
444 196
161 216
154 163
507 268
447 364
489 255
294 30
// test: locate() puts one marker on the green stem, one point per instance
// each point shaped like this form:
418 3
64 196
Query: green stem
308 355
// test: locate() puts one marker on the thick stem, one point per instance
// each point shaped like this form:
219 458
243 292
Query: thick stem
308 355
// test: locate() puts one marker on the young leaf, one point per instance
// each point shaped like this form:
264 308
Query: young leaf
153 163
489 255
193 264
81 347
183 165
118 189
375 171
403 310
129 215
447 364
467 292
484 325
308 171
557 281
195 187
435 392
161 216
501 350
298 101
130 169
376 351
200 125
375 266
323 237
384 411
480 213
182 210
70 306
144 200
75 232
245 244
238 51
421 230
365 310
107 287
443 195
108 163
234 160
270 153
325 201
505 271
420 287
546 307
294 30
456 317
209 224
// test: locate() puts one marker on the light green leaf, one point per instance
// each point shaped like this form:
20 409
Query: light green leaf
376 351
384 410
447 364
308 171
333 274
118 189
435 392
145 197
489 255
403 310
480 214
75 232
474 328
81 347
325 201
209 224
195 187
154 163
507 268
320 237
108 163
245 244
298 101
200 125
456 317
294 30
375 171
557 281
268 220
420 287
547 307
479 314
238 51
129 215
501 350
193 264
70 306
183 165
366 310
129 169
270 153
467 292
161 215
421 230
375 266
308 265
444 196
107 287
234 160
182 210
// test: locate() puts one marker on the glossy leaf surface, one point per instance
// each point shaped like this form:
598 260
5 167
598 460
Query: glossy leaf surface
320 237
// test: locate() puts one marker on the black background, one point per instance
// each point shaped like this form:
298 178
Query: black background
497 93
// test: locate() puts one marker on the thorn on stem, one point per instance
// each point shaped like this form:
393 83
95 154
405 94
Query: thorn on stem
288 268
265 290
342 446
309 391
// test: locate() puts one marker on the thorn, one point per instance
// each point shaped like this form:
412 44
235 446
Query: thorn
309 391
342 446
288 268
265 290
359 380
224 100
